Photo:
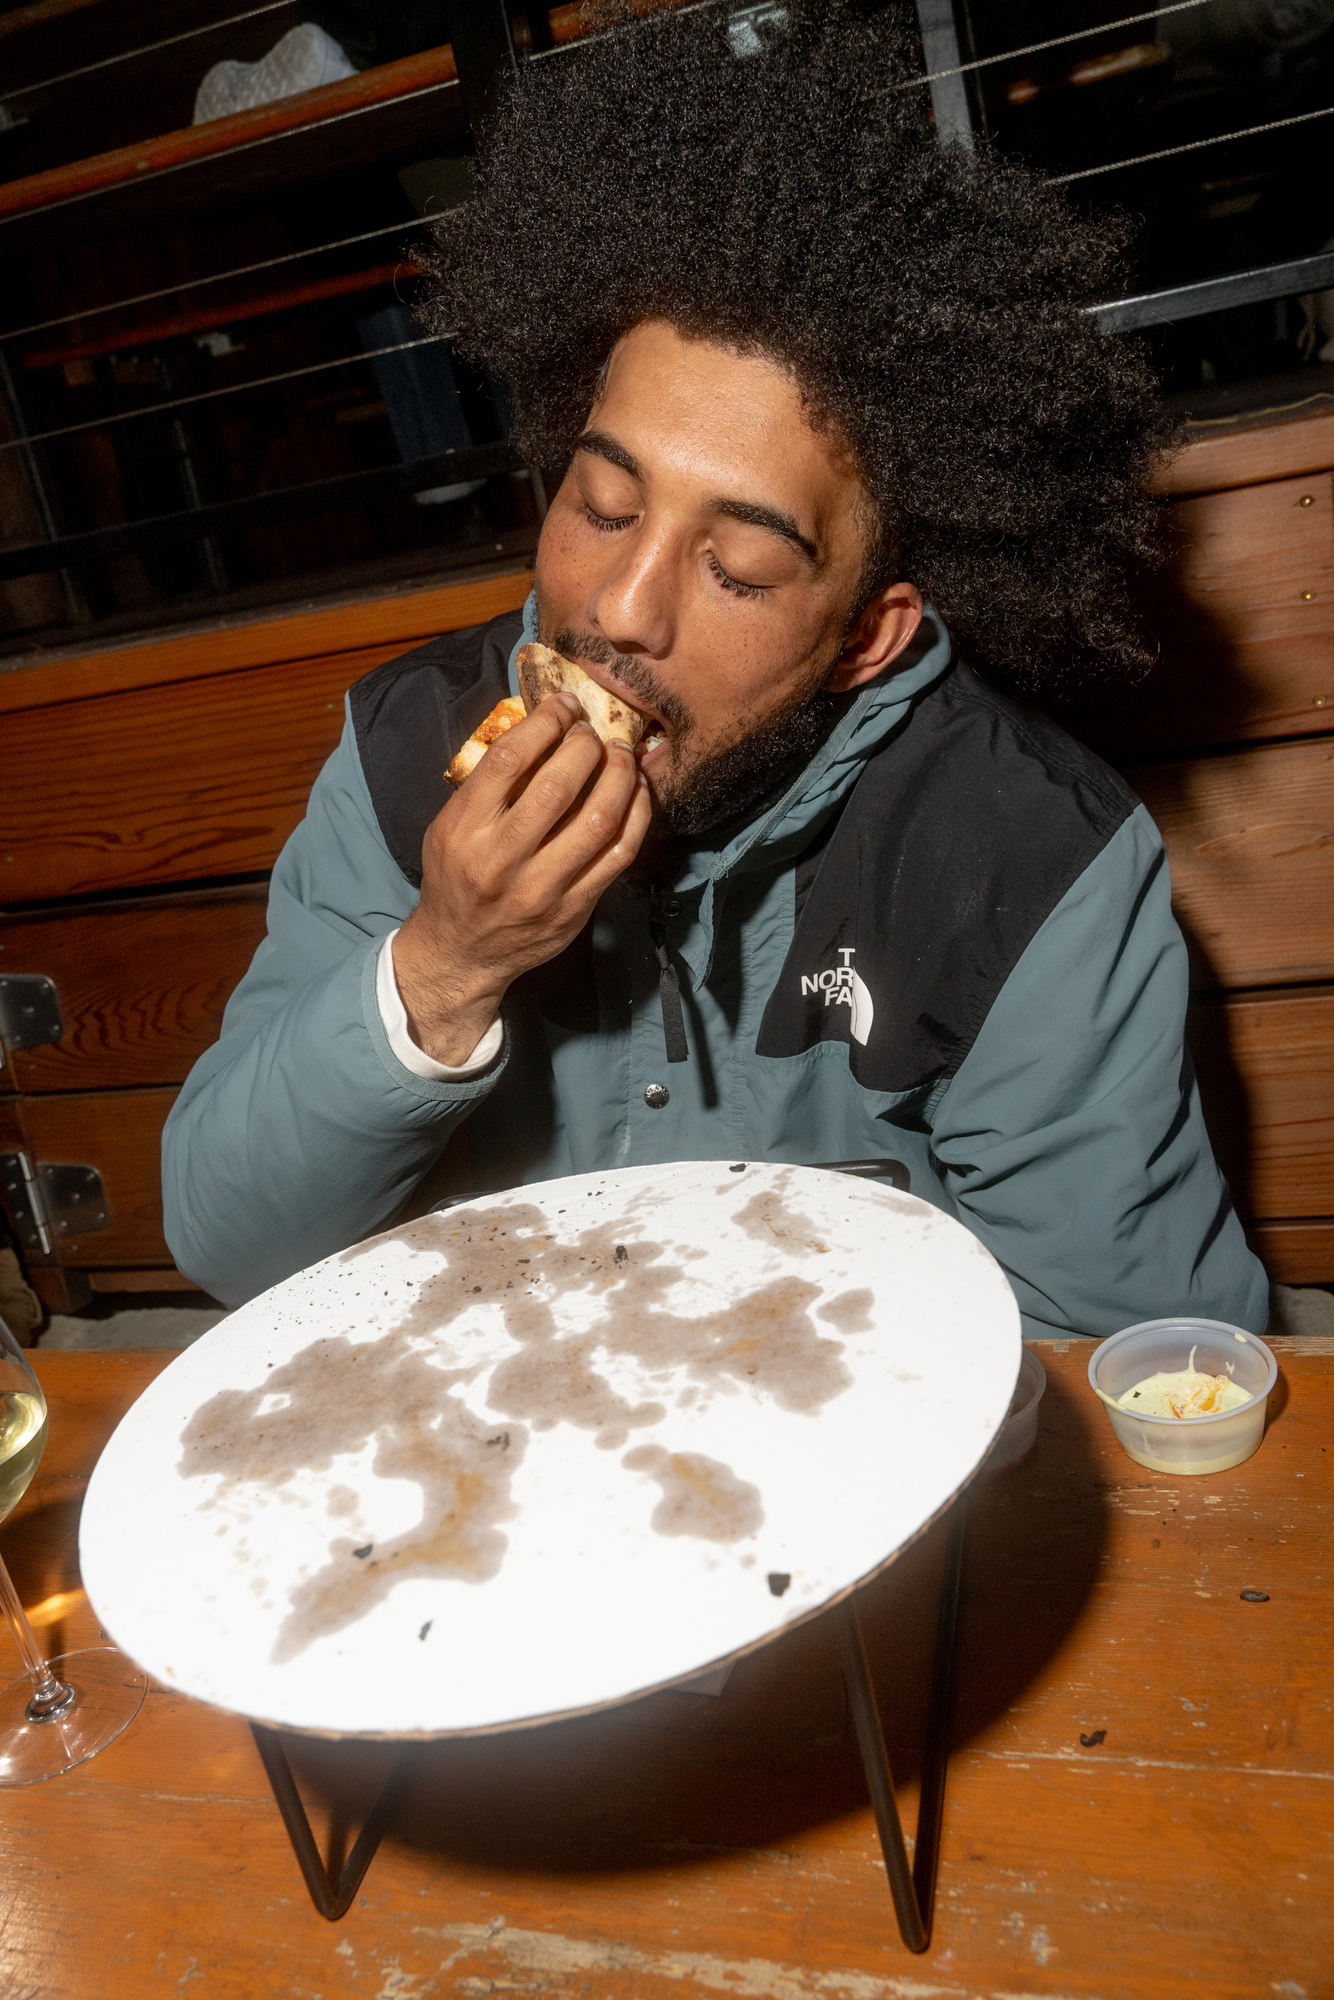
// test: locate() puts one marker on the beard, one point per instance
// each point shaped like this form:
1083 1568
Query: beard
732 784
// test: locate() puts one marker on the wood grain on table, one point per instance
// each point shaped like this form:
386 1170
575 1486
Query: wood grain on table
685 1846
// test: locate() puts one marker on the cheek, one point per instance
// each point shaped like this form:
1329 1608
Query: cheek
565 564
747 659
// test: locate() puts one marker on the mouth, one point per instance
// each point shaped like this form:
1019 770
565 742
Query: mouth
656 737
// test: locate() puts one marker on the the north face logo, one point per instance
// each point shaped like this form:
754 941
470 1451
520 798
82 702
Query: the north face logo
842 986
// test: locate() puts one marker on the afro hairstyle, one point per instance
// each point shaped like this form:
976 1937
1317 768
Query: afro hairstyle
927 301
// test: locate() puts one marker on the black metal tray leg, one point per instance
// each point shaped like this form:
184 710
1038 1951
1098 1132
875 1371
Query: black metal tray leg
913 1889
330 1898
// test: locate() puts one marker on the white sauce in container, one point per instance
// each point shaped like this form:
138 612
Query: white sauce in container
1185 1392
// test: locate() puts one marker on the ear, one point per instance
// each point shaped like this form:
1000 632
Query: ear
879 636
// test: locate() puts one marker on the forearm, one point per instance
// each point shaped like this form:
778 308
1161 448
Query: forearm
303 1139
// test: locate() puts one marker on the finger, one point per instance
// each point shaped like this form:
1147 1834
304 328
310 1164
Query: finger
552 794
598 821
511 760
613 827
598 874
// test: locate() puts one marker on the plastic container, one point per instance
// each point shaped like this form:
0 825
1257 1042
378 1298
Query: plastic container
1018 1434
1186 1445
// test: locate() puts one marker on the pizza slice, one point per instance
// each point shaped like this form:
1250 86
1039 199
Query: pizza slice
543 671
502 717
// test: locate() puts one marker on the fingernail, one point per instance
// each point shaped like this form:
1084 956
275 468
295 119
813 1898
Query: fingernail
570 703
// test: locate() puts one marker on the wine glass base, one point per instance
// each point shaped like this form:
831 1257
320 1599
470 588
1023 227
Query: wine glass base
109 1693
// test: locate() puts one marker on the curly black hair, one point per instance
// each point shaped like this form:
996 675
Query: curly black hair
927 301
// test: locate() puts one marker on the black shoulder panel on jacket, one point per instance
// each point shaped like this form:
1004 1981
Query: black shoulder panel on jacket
413 714
962 835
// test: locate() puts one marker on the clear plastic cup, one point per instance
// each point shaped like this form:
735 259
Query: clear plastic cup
1186 1445
1018 1434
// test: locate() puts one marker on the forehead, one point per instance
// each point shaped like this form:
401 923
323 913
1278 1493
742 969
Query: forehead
728 424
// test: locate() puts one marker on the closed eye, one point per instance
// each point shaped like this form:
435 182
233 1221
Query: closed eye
734 583
608 524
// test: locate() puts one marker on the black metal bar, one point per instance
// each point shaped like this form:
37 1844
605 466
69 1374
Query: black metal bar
940 52
913 1888
880 1780
479 34
1237 288
935 1761
330 1898
321 496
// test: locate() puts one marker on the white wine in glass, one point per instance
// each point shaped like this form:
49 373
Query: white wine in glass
63 1711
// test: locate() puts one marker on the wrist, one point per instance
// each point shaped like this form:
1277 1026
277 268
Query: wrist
448 1012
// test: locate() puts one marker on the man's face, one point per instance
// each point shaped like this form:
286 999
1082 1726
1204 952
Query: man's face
702 558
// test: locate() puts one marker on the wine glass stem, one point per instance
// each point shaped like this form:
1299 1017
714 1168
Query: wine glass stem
50 1697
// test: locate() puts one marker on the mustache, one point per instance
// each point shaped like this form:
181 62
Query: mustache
632 671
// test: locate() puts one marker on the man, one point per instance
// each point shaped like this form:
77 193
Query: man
832 414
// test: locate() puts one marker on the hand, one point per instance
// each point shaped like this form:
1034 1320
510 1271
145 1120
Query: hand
512 867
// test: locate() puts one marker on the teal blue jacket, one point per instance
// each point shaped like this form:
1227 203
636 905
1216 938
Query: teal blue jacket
1036 1086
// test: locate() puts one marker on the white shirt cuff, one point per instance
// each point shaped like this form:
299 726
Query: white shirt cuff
393 1015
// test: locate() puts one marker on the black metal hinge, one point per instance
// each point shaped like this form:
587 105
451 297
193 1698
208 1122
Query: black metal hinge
30 1013
50 1200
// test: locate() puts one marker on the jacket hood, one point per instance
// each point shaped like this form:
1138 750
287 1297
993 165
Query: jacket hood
785 829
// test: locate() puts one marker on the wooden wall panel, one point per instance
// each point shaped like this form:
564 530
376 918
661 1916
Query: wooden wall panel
142 985
1245 456
397 622
1266 1069
1254 568
1244 615
1250 837
167 784
1296 1253
11 1126
119 1133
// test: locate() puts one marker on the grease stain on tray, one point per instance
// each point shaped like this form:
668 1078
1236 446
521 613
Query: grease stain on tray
338 1396
765 1339
700 1496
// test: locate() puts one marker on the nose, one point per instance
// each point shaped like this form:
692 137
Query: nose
633 603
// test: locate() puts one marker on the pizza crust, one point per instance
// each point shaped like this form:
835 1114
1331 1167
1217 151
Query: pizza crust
502 717
543 671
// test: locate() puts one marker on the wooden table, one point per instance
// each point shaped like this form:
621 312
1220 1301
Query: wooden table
1141 1800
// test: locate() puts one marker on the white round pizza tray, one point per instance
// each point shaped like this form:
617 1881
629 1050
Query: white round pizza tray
545 1451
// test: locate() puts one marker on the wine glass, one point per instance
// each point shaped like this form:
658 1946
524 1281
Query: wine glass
62 1711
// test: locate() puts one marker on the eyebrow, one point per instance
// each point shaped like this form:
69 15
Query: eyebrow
770 519
606 447
773 521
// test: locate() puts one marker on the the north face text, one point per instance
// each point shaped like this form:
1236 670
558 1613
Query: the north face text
842 986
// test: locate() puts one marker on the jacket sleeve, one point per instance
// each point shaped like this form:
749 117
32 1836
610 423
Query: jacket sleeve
1072 1140
300 1131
